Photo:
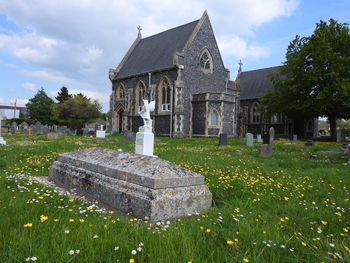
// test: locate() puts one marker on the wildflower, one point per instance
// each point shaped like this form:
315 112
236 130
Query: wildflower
283 246
116 248
331 245
304 244
28 225
139 249
56 220
131 260
134 252
77 251
71 220
245 260
229 242
66 231
286 198
71 252
43 218
95 236
324 222
81 220
208 230
141 244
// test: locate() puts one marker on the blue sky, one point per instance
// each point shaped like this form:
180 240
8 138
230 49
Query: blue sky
73 43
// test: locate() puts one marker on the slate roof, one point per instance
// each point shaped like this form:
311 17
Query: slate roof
156 52
254 83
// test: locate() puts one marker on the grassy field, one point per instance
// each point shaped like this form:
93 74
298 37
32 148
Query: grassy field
291 207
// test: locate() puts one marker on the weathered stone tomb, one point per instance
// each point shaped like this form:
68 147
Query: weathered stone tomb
147 186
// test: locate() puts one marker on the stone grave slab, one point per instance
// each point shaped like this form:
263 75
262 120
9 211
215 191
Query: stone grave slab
144 185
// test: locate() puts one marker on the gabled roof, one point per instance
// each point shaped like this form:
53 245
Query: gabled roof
156 52
255 83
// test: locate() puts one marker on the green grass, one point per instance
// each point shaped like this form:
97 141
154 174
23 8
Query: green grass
285 208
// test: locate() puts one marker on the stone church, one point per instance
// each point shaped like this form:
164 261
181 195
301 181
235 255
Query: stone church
183 71
252 118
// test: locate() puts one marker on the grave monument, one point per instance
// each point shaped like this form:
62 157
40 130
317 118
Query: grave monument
146 186
145 137
249 139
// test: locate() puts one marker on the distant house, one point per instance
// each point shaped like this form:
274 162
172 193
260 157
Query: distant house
182 70
252 85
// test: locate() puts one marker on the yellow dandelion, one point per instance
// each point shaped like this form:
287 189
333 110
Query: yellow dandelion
245 260
208 230
303 244
229 242
28 225
71 220
81 220
131 260
43 218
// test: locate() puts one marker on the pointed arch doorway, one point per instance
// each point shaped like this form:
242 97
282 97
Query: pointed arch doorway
118 119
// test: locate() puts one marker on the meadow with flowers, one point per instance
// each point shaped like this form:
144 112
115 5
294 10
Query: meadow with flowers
291 207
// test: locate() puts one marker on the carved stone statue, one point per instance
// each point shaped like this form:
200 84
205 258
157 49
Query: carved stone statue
147 108
112 73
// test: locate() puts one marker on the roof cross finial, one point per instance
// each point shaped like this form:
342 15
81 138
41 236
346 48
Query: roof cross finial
240 66
139 28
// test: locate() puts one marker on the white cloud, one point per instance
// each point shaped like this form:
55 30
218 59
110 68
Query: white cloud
29 86
239 48
73 43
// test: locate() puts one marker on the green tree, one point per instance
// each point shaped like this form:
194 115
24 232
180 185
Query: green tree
40 107
63 95
76 111
315 78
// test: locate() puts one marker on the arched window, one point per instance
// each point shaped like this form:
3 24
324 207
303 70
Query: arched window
206 61
255 113
214 118
120 92
165 94
140 95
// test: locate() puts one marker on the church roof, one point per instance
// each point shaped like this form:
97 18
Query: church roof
156 52
255 83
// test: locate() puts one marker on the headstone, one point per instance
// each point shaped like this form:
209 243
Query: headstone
309 143
52 135
129 136
148 187
258 138
272 134
45 129
265 150
223 139
266 138
13 127
145 137
36 128
101 134
341 136
249 139
295 138
23 128
2 141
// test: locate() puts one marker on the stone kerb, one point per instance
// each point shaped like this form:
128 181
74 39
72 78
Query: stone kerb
144 185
